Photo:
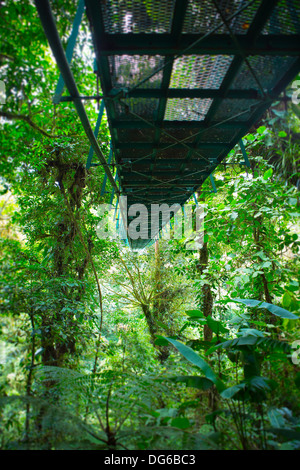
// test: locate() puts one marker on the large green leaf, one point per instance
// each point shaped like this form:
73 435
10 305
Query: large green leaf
162 325
264 343
202 383
248 340
161 341
253 388
275 417
268 174
287 434
181 423
232 391
251 363
278 311
197 361
216 326
195 313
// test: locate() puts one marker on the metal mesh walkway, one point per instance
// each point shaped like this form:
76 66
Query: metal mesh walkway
183 81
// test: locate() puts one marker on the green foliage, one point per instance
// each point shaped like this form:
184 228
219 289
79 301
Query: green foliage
196 360
279 311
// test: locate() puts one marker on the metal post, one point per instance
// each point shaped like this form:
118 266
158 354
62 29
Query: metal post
213 183
70 49
96 131
247 163
105 176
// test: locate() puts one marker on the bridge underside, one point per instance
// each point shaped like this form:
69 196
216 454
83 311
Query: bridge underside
183 81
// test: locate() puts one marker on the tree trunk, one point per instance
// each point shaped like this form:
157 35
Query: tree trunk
207 297
266 291
163 351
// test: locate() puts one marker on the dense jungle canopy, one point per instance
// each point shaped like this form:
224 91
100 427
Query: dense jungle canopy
104 347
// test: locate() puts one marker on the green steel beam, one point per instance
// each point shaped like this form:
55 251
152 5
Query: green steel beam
96 131
163 44
161 186
197 125
163 167
105 176
113 191
213 183
162 146
247 163
192 93
170 93
181 93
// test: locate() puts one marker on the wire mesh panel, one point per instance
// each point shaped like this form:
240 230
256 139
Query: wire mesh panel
285 19
135 109
171 153
184 134
242 109
127 71
186 109
134 153
203 16
269 69
196 71
216 134
135 135
135 16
